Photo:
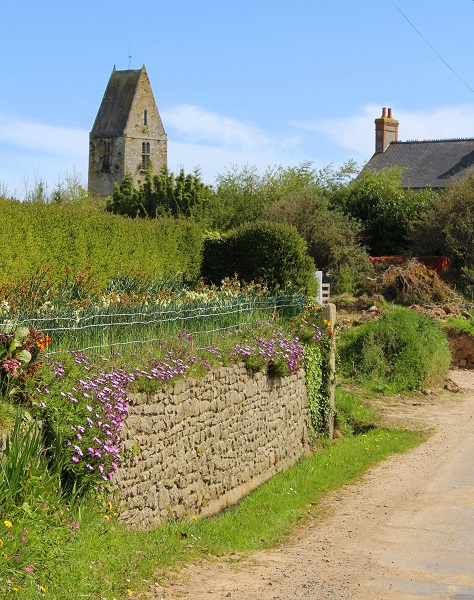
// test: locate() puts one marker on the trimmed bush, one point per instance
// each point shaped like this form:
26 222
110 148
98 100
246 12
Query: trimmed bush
402 350
272 253
57 236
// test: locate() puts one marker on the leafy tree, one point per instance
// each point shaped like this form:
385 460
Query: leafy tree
243 195
333 239
384 208
162 194
446 228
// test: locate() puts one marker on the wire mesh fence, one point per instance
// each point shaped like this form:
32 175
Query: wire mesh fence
95 329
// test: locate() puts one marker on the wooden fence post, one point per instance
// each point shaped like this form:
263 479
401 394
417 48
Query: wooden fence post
329 312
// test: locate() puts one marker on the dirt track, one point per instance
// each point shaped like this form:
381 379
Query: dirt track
405 531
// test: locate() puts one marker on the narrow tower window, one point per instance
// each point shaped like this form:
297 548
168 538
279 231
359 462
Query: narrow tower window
106 157
145 117
145 154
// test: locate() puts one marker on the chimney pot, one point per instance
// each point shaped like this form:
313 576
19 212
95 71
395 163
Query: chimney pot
386 131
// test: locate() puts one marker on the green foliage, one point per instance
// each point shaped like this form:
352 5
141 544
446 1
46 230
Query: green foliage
272 253
402 350
317 388
446 228
243 194
299 196
461 325
384 208
162 194
68 190
57 236
333 238
315 333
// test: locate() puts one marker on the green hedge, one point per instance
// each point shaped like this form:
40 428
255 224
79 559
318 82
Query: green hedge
273 253
57 236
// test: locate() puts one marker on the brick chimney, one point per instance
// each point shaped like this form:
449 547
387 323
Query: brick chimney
386 130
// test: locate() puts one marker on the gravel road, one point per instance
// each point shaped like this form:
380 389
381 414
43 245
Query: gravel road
405 531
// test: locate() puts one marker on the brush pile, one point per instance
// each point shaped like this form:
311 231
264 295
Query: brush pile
412 283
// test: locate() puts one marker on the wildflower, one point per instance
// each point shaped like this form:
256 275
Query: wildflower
29 568
8 523
1 542
106 517
130 592
42 588
76 525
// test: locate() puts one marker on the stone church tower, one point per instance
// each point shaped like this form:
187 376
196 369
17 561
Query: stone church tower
127 133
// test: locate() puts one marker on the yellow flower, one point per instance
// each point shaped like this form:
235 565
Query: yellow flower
129 592
110 505
42 589
1 542
8 523
15 589
106 517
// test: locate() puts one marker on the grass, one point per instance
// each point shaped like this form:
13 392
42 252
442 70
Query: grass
110 559
56 548
353 414
461 325
403 350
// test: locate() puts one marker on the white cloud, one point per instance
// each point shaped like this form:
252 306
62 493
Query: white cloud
46 138
357 132
202 139
31 151
195 124
213 142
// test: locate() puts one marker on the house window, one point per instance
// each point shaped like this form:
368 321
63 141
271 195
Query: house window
145 117
145 154
106 157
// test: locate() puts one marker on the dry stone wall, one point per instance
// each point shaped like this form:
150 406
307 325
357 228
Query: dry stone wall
199 446
462 349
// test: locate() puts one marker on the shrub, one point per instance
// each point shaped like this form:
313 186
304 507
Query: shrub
269 252
402 350
58 236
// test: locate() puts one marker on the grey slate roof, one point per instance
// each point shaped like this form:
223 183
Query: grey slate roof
113 113
429 163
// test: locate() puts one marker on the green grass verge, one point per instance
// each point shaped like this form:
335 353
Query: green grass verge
105 559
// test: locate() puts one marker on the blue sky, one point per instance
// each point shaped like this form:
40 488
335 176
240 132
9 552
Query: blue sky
237 82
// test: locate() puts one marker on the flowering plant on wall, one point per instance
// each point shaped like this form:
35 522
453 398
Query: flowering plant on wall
84 418
20 350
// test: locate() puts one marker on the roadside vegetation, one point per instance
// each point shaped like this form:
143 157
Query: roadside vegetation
100 298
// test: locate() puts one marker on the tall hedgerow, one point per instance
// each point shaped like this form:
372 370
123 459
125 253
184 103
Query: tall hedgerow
56 236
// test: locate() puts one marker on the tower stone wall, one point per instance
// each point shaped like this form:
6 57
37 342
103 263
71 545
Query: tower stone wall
127 134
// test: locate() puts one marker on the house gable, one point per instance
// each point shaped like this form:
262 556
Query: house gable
426 164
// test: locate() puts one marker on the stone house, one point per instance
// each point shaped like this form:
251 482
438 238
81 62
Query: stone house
427 164
127 133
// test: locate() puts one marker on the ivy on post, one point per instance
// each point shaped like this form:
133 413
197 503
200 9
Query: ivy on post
329 312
